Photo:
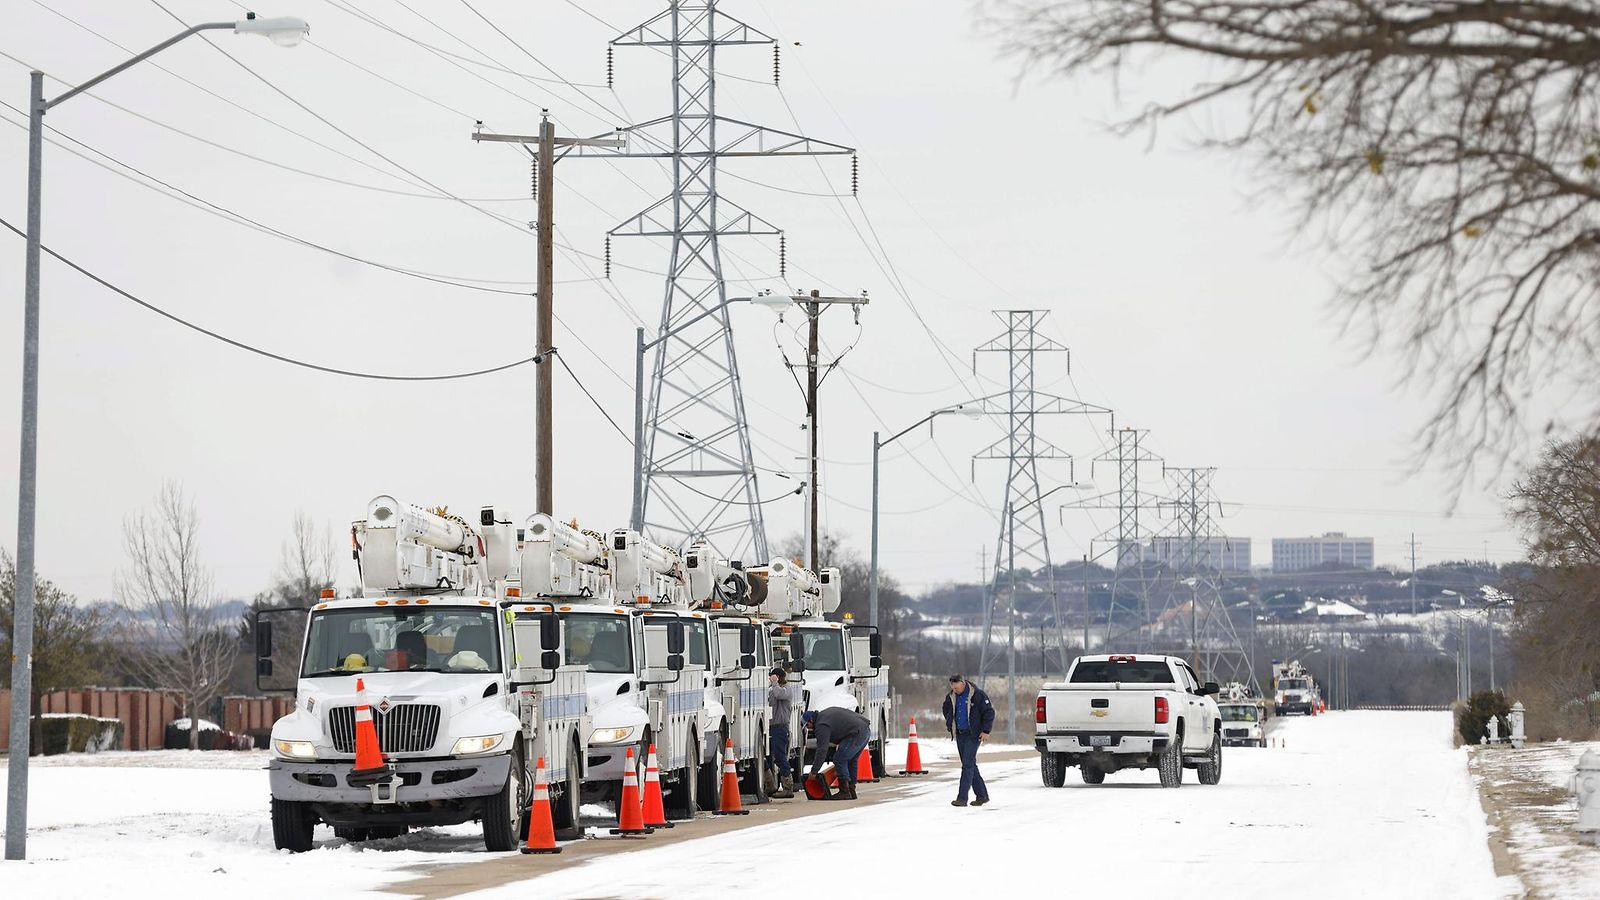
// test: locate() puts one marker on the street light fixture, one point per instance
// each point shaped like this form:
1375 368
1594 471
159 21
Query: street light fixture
966 412
285 32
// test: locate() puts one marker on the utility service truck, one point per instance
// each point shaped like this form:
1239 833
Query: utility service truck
465 680
1128 711
1293 689
837 664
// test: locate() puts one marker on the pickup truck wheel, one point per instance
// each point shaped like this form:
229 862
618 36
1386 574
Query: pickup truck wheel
1091 774
564 815
1210 771
292 823
504 812
1052 769
1170 763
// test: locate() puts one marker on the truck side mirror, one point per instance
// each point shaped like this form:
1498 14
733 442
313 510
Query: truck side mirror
549 633
747 642
675 662
747 661
875 648
797 648
1210 687
550 660
675 639
264 644
876 662
278 661
797 665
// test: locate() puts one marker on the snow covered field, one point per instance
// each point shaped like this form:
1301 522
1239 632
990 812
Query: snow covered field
1370 804
1537 816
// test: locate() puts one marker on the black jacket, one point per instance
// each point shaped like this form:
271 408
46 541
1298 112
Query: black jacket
832 726
980 712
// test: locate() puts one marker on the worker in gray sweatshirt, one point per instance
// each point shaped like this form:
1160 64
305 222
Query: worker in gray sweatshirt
780 700
851 731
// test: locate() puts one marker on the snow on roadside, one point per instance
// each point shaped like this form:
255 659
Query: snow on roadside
1363 804
194 829
1529 790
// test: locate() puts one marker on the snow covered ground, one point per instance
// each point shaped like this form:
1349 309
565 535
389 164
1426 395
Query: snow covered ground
1374 804
1536 814
1368 804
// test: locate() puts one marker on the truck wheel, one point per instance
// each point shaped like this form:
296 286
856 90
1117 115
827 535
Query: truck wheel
754 781
684 800
1052 769
711 776
564 814
1210 771
877 754
292 823
503 813
1092 774
1170 763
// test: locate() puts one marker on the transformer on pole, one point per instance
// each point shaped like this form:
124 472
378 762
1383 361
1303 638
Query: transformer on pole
697 473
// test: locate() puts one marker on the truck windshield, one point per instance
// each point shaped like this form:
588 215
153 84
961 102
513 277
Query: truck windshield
695 636
1292 684
824 648
1237 713
604 643
1132 672
397 639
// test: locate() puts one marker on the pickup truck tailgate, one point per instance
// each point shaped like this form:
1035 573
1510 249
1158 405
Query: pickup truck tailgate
1099 707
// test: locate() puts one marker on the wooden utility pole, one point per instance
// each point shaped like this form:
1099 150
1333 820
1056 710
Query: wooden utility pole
546 143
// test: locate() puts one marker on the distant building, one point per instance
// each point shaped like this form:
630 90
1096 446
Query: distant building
1221 553
1300 554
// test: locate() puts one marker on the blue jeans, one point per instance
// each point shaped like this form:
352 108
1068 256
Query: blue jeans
846 758
967 744
778 748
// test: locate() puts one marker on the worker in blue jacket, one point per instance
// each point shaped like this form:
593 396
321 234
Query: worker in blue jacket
969 717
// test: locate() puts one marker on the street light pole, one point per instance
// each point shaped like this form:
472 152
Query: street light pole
284 32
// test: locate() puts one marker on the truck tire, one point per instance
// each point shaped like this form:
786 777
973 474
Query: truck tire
683 799
1092 774
711 775
754 781
292 823
1052 769
505 812
564 815
1170 763
877 754
1210 771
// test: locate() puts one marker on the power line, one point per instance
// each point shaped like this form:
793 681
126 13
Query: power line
257 350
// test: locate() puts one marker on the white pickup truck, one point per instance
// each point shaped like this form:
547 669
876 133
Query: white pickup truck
1123 712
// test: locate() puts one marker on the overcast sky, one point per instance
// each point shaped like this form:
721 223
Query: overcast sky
1192 306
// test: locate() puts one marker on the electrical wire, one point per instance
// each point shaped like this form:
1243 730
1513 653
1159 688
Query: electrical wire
241 345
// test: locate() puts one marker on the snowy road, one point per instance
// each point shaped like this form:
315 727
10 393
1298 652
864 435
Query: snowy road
1367 804
1361 804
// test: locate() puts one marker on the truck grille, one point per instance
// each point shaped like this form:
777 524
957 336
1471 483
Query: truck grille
1236 732
405 728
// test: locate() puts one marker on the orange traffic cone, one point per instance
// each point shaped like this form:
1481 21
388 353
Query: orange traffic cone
541 831
864 767
370 767
655 812
821 785
913 755
730 785
630 815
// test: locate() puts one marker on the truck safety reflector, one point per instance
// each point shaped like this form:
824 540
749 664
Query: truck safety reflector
1161 710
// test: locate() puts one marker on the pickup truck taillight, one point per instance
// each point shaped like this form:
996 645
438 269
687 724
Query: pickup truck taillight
1161 710
1038 709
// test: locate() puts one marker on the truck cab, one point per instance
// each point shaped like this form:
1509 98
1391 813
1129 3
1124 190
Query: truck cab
1242 724
466 688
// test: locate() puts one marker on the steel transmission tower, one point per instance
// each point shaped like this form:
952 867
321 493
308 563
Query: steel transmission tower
696 468
1194 618
1127 538
1024 543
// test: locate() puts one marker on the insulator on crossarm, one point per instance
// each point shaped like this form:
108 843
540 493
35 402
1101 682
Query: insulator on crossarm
783 255
533 178
608 257
610 65
855 174
774 63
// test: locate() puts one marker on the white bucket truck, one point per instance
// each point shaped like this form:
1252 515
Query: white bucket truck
836 664
623 603
465 683
740 655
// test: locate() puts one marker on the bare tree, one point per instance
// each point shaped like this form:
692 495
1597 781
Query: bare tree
183 640
307 565
1453 145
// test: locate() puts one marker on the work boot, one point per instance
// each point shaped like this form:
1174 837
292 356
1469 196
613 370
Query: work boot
958 803
847 790
785 789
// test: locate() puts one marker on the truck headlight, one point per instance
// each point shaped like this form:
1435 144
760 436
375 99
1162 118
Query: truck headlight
296 749
470 745
613 735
